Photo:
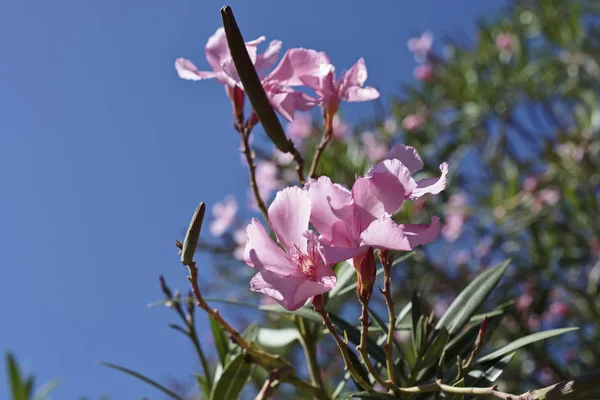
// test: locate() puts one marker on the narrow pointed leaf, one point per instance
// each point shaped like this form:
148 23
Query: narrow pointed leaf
221 341
143 378
486 374
524 341
232 381
203 385
14 376
469 300
436 348
276 338
415 310
369 395
344 274
402 314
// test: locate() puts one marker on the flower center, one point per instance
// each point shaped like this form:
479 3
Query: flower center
304 264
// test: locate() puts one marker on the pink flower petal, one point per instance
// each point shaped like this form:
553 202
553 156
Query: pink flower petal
269 57
356 75
333 254
331 206
217 49
289 214
187 70
407 155
292 292
262 253
431 185
405 184
357 94
385 233
298 64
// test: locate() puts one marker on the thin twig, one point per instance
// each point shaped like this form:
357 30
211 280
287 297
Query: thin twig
267 361
362 347
244 131
270 384
343 346
325 139
387 293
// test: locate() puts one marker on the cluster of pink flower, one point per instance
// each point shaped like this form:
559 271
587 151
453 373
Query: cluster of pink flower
351 225
421 48
298 67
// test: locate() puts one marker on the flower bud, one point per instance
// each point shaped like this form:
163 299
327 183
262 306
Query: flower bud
192 235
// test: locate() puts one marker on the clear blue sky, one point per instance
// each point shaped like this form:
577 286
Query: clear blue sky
105 153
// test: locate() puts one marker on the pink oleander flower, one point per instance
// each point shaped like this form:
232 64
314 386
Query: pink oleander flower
223 215
353 222
424 73
455 217
277 84
331 91
412 122
294 272
374 149
504 42
420 46
340 128
300 128
219 58
531 183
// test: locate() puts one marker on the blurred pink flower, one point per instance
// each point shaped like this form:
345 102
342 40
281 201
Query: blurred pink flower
413 122
548 196
351 223
239 237
340 128
571 150
374 149
504 42
558 309
424 73
282 158
294 272
266 178
390 125
223 215
300 128
461 257
534 322
531 183
420 46
524 302
455 216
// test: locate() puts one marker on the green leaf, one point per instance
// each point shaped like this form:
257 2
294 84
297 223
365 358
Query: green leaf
524 341
344 274
469 300
276 338
402 314
486 374
141 377
419 338
436 348
221 341
415 310
232 381
354 336
14 375
302 312
203 385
